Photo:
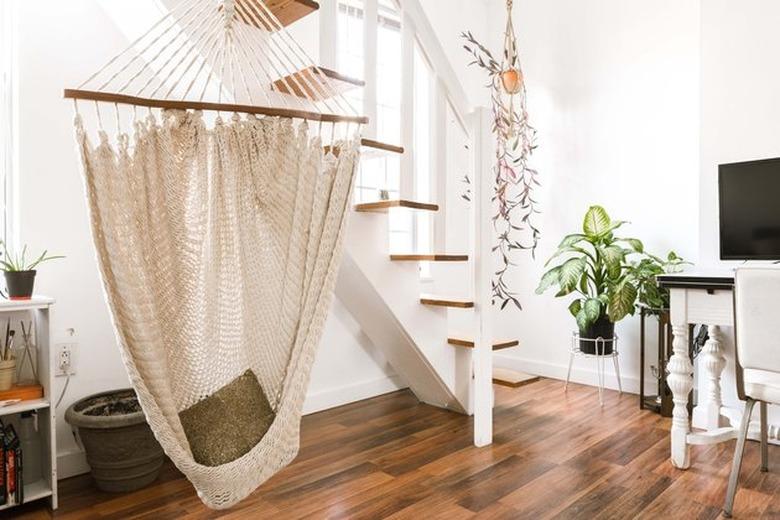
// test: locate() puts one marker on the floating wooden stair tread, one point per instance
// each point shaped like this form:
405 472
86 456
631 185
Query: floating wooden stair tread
316 83
440 301
382 206
429 258
287 11
511 378
497 344
370 143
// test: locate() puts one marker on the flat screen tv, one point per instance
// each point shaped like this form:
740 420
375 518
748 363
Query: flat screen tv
750 210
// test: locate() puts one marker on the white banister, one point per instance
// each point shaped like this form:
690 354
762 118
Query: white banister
439 162
482 358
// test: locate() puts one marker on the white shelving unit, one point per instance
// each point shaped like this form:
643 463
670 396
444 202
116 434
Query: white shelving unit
37 309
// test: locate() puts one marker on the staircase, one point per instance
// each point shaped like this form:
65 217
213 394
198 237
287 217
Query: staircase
383 290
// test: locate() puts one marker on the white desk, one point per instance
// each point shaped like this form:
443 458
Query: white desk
699 298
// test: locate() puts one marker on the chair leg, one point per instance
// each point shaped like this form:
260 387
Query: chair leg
764 439
737 464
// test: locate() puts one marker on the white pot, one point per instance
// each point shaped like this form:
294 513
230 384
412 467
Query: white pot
7 372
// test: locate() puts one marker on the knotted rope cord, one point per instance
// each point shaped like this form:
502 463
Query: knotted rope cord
276 50
295 46
188 4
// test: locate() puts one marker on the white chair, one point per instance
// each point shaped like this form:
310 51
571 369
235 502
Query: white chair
757 313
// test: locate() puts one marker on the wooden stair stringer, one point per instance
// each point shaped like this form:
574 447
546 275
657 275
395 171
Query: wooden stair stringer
387 333
383 297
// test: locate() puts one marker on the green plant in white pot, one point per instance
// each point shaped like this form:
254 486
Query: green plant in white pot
594 266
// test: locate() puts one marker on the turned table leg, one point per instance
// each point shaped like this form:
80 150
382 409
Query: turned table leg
680 381
712 362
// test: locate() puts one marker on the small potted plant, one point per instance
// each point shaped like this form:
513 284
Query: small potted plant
593 265
19 274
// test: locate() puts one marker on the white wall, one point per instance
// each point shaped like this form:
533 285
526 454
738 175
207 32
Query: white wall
61 43
613 91
740 115
740 106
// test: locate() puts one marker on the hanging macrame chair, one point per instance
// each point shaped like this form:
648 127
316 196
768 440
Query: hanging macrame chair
218 221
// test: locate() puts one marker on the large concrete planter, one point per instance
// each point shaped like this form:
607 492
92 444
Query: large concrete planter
121 449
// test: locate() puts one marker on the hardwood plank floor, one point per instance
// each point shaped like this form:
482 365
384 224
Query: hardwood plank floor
556 455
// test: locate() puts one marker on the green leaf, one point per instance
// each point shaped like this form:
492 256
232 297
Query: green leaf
635 244
549 279
592 309
596 222
570 273
575 307
570 240
613 259
621 302
582 320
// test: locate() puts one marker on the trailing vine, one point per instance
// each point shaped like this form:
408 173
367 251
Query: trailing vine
514 180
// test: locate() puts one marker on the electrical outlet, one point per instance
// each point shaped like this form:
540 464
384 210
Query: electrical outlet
65 359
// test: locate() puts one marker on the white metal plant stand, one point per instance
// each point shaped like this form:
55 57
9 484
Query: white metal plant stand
600 356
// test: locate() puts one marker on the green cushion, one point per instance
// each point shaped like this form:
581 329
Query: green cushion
228 423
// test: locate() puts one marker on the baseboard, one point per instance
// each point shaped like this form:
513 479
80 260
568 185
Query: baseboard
333 397
71 463
583 371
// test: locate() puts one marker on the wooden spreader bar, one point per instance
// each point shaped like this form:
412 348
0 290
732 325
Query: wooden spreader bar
124 99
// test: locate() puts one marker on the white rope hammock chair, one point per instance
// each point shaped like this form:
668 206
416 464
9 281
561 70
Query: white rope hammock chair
218 239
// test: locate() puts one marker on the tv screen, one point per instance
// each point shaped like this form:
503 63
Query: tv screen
750 210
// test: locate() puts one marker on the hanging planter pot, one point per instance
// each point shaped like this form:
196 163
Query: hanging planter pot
20 284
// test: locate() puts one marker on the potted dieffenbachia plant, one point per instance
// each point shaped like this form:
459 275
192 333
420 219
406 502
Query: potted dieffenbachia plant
20 273
594 265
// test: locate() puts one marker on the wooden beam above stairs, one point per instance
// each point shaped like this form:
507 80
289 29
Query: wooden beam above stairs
429 258
497 344
316 83
383 205
440 301
511 378
287 11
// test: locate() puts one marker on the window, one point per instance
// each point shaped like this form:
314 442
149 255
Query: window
7 114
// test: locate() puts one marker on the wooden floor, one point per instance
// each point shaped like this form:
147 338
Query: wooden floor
555 455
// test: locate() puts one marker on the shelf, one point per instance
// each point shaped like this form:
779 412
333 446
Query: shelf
36 302
33 491
24 406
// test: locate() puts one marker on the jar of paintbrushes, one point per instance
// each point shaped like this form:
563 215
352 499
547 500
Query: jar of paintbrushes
7 361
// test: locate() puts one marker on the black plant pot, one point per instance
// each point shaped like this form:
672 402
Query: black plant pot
601 328
20 284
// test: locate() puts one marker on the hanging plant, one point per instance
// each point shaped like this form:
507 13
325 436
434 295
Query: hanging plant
515 181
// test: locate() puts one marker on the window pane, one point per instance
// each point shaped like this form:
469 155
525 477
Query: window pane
388 88
349 51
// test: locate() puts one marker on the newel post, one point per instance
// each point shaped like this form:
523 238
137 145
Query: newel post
483 156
